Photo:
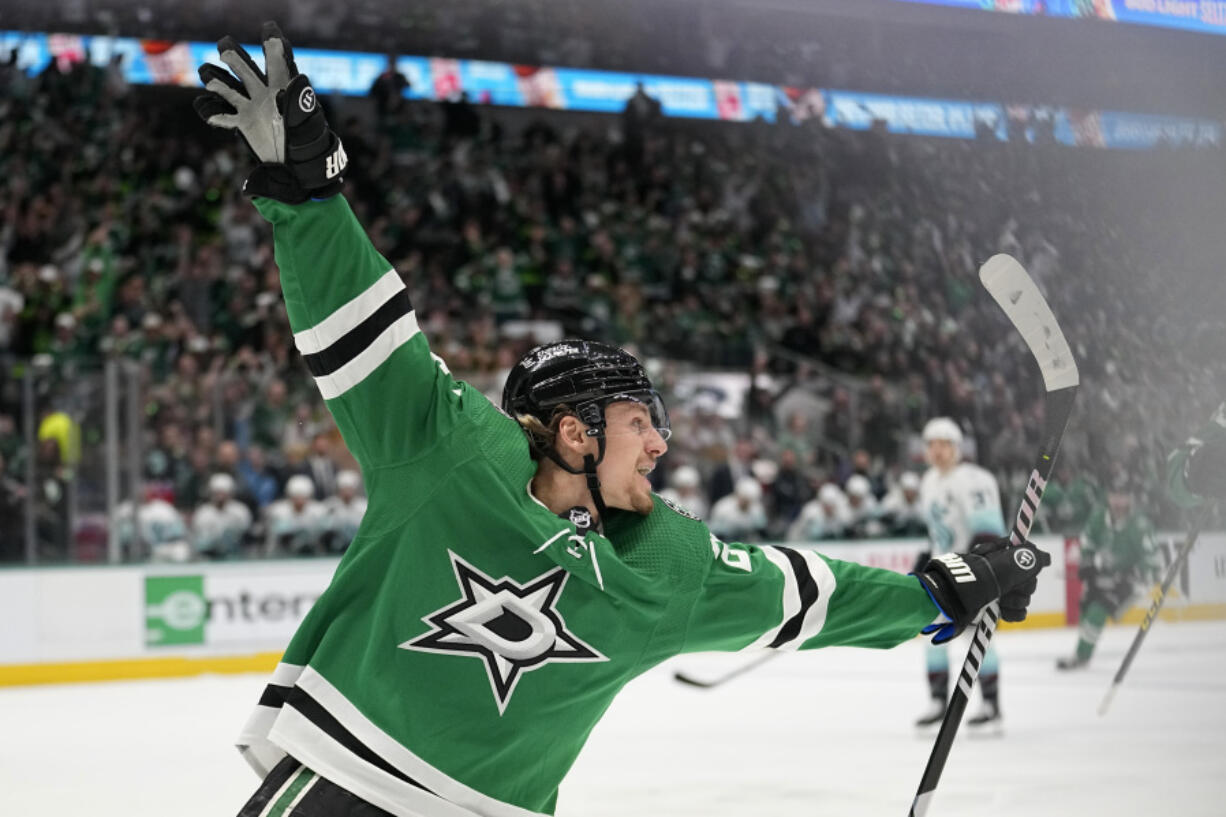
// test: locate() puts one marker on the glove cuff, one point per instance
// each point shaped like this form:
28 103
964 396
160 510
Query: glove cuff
279 182
944 627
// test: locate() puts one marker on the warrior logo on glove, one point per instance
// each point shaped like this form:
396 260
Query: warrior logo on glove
277 116
993 570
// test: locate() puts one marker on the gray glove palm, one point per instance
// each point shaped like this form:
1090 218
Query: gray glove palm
278 117
256 114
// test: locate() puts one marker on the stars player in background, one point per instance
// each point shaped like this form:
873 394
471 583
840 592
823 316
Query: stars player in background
1196 471
1118 558
961 506
513 570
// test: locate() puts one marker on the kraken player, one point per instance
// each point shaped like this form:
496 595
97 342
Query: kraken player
513 570
961 505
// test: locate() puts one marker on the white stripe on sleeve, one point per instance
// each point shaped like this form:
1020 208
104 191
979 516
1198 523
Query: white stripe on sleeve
791 598
345 318
823 576
369 359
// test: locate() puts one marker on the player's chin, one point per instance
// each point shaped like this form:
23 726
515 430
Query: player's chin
641 502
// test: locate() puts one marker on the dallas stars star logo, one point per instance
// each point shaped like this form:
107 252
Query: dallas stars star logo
512 628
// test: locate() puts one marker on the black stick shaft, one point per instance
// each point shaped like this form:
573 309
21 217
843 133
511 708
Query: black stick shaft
1152 614
1059 406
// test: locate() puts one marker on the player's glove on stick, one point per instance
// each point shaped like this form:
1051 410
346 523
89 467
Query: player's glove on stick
962 585
279 118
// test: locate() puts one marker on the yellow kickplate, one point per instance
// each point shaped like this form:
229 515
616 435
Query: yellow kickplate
116 670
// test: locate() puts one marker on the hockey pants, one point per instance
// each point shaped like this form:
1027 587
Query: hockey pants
293 790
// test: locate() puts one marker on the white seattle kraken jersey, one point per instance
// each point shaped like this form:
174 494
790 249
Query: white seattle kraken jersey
958 505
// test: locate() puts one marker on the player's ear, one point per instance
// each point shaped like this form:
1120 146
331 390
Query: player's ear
571 434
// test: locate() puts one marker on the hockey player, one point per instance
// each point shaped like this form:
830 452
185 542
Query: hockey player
157 526
961 503
344 512
220 525
826 516
1118 557
741 514
1196 471
295 525
866 517
903 511
514 569
686 490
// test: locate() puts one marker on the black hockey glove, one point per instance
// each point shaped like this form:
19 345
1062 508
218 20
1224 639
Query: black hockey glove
1205 470
278 117
962 585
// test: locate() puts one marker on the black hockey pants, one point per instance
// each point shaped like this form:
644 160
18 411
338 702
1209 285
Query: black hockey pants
293 790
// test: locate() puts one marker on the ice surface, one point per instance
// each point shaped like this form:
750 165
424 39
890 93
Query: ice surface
823 733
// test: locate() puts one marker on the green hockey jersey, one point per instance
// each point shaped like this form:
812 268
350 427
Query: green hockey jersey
1069 504
1176 463
471 638
1120 548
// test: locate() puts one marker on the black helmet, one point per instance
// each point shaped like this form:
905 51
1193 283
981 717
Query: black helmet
584 375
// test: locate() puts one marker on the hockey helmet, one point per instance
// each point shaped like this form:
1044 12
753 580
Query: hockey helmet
221 483
347 479
584 375
686 477
943 428
299 486
748 489
858 486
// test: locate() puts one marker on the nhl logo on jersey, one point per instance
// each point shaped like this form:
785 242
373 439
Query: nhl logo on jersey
513 628
580 517
674 506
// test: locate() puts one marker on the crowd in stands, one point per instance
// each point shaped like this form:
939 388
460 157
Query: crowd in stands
833 270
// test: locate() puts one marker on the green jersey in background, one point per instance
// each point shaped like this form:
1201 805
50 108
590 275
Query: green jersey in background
1176 474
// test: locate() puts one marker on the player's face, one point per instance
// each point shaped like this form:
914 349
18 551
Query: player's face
632 446
942 454
1119 503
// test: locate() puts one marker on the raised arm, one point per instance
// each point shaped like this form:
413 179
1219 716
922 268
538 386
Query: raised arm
350 313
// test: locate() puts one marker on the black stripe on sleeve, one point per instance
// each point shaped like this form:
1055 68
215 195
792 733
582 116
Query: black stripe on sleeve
808 597
354 342
314 711
274 696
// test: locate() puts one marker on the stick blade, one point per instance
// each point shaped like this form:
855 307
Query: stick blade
1012 287
694 682
1106 702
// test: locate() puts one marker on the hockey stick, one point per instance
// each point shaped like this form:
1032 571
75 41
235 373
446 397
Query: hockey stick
727 676
1016 293
1155 606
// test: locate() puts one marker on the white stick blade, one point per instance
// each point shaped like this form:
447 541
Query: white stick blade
1018 295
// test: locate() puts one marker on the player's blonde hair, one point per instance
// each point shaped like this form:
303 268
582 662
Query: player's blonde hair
542 437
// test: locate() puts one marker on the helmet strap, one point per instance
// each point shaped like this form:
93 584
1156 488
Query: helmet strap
593 482
588 470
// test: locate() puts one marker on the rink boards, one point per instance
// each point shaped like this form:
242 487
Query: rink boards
97 623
